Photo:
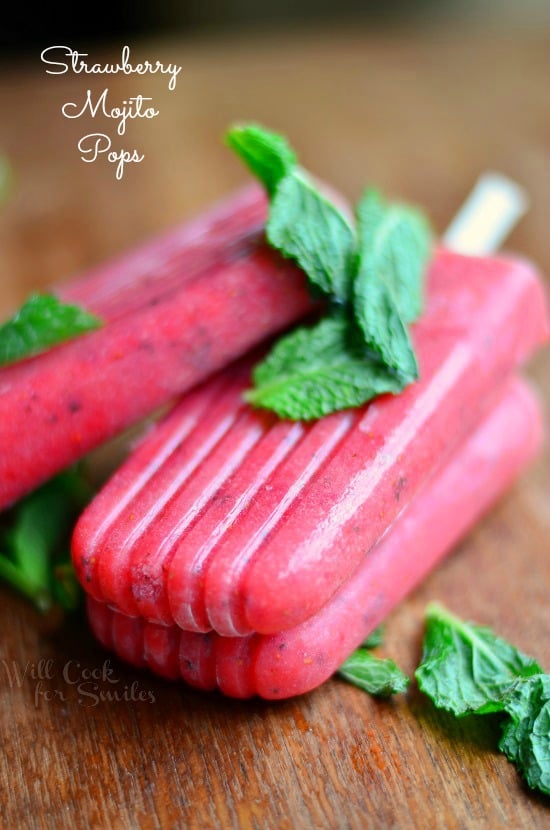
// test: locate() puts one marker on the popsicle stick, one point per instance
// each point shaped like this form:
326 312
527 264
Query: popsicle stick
488 215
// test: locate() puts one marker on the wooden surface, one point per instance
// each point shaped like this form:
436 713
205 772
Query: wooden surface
420 115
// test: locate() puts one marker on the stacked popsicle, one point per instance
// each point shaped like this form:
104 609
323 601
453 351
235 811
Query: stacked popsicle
252 554
302 657
241 551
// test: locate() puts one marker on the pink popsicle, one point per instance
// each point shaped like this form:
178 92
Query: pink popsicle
169 335
227 519
297 660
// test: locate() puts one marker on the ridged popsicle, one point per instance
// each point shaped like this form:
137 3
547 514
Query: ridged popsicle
299 659
226 519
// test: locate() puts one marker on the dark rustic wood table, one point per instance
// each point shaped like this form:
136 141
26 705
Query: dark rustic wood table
421 115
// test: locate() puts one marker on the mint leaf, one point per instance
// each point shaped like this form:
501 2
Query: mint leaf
526 736
377 676
34 541
304 226
384 331
375 638
394 247
376 282
314 371
396 239
43 321
267 154
466 668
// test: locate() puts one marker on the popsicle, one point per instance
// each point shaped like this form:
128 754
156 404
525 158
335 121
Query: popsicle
225 519
295 661
201 297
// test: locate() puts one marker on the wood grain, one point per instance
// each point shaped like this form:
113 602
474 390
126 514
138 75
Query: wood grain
421 115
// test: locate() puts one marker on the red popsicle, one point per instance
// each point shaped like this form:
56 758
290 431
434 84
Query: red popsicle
297 660
227 519
217 290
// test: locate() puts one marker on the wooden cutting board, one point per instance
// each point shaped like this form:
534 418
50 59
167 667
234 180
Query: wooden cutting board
420 115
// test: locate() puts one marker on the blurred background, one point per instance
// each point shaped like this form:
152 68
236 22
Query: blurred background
22 30
416 97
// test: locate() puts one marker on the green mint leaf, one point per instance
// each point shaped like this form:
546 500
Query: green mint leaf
394 248
377 676
397 240
314 371
526 735
384 331
466 668
375 638
304 226
30 587
341 364
34 540
42 322
267 154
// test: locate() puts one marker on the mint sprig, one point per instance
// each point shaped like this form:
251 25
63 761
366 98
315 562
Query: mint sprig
371 280
42 322
34 541
466 669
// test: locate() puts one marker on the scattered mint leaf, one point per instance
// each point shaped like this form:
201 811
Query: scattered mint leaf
314 371
304 226
377 676
397 240
465 668
43 321
34 541
526 735
267 154
375 638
